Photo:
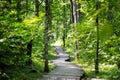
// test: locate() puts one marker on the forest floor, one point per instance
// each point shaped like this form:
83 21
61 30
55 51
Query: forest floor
64 70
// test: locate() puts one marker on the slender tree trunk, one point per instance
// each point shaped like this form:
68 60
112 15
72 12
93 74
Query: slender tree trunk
71 11
97 46
74 11
64 23
46 37
78 13
29 52
18 9
29 48
77 48
57 30
36 7
75 18
26 7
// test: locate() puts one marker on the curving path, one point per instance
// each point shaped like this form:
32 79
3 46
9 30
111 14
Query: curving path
64 70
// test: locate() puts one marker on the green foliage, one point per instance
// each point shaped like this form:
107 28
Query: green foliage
111 51
19 25
15 35
106 31
85 33
12 50
107 72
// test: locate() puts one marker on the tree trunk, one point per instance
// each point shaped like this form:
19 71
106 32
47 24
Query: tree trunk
29 52
76 51
29 48
97 45
75 18
57 30
71 12
18 9
75 12
36 7
64 23
78 16
26 7
46 34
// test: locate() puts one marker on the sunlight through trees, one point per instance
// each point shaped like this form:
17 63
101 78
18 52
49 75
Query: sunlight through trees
88 30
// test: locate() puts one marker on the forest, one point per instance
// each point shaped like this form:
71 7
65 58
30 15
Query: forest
88 30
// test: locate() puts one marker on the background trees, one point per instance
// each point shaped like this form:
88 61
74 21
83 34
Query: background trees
71 21
21 32
48 27
86 33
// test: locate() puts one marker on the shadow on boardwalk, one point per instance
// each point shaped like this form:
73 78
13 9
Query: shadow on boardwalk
64 70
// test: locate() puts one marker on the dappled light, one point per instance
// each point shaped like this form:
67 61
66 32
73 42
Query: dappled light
64 70
59 40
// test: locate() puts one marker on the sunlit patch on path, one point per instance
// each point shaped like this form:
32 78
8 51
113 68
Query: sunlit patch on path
64 70
96 79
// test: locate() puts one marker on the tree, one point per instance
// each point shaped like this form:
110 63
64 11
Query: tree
18 7
26 7
113 18
36 7
64 23
29 52
75 19
75 11
46 33
97 46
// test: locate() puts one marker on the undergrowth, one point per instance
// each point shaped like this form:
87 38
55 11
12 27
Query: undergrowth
28 72
106 72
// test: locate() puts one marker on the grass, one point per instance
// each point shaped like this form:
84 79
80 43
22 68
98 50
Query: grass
106 72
